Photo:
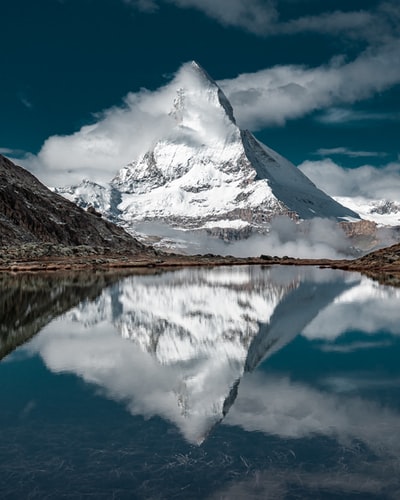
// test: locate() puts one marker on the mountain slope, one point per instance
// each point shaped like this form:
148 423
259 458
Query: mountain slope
30 212
204 172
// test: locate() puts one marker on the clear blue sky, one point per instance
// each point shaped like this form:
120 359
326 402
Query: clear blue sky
338 94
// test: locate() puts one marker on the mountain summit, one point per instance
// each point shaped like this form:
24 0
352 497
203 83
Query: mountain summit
207 173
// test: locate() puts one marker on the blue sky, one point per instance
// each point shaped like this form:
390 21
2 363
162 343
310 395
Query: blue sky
314 80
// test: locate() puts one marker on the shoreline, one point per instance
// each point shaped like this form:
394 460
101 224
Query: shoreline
376 265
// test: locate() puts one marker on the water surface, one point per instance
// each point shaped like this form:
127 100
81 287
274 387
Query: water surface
244 382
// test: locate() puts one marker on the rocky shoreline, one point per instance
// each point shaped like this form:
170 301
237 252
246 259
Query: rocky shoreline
382 265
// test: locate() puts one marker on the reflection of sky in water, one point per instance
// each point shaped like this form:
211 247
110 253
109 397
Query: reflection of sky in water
298 366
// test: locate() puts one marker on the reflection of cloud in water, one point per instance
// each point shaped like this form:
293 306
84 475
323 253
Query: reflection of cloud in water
358 382
355 346
175 345
279 406
367 307
369 435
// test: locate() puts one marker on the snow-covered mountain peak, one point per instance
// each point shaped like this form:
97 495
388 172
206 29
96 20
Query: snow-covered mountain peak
202 113
204 172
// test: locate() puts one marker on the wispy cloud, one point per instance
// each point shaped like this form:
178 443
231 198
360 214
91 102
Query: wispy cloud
11 152
348 152
24 100
337 115
143 5
355 346
255 16
263 18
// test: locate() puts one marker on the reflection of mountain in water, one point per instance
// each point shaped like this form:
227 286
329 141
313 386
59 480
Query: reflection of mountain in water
209 326
295 311
29 302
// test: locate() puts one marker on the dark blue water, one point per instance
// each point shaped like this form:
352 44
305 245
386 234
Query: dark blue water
279 383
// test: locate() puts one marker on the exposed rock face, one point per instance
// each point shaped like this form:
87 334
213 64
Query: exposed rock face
363 233
31 213
362 227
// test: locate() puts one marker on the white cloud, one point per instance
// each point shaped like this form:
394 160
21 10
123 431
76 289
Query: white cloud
366 181
275 95
316 238
348 152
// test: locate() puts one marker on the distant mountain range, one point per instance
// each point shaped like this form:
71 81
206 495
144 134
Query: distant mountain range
206 173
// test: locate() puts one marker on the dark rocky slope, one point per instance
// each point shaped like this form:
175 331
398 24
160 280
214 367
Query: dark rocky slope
31 213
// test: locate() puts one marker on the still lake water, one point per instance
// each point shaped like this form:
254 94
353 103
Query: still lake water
226 383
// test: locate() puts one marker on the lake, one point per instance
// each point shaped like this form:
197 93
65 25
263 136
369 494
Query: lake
224 383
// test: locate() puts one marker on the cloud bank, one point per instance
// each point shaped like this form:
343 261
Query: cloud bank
316 238
370 182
